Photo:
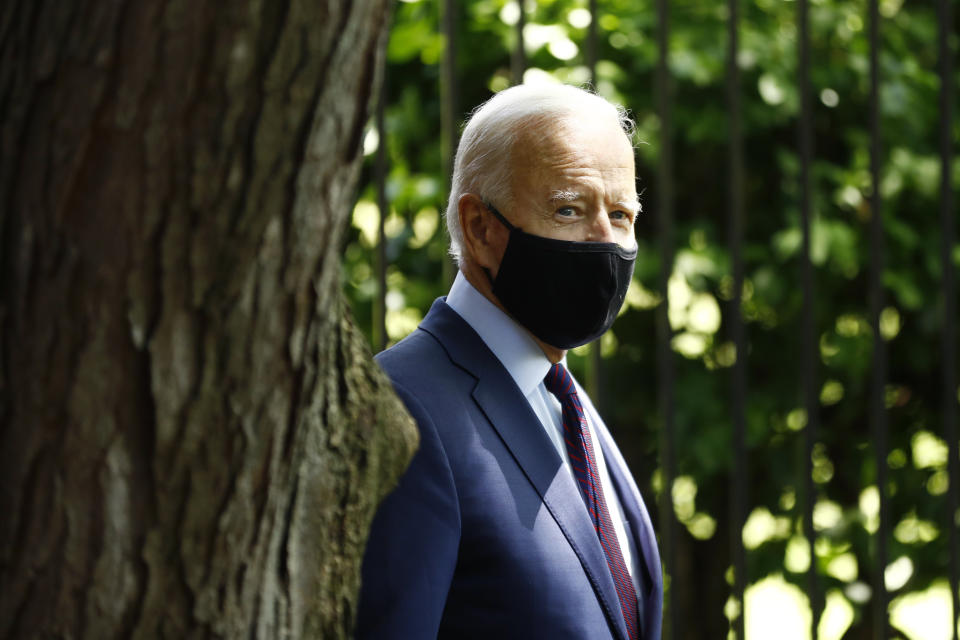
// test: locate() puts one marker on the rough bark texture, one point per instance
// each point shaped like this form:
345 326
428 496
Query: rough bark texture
193 437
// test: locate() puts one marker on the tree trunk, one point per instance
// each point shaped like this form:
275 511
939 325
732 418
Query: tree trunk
193 437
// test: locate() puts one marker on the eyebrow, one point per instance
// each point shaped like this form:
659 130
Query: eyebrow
562 195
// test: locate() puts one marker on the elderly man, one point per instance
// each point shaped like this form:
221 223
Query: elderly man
518 517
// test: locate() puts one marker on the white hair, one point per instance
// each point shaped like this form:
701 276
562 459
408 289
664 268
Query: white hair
483 163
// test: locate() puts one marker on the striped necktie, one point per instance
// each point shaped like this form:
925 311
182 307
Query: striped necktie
580 449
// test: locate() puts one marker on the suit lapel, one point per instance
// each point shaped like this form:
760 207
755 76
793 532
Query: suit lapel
639 518
508 411
634 509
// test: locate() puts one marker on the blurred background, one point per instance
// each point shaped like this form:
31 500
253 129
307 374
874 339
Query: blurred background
802 490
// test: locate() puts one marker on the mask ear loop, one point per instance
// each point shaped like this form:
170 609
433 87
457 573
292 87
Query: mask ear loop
492 209
499 216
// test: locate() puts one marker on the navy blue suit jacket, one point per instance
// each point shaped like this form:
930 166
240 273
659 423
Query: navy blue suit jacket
486 535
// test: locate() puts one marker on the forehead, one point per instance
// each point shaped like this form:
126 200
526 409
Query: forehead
569 155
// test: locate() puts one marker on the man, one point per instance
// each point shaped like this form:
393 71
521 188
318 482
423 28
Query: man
518 517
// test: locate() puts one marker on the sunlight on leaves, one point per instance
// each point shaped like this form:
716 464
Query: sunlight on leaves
898 573
770 89
684 494
639 297
701 526
938 483
929 451
762 526
869 504
826 514
912 530
924 615
889 323
796 559
689 345
579 18
776 609
402 322
797 419
366 218
843 567
837 616
425 224
831 393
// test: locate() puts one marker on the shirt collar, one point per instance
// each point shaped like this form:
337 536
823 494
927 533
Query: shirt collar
513 346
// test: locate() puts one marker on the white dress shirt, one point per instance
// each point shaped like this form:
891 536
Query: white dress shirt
526 363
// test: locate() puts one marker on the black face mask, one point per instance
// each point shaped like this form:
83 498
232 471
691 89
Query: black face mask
565 293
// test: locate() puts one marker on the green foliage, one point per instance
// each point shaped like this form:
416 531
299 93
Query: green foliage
772 298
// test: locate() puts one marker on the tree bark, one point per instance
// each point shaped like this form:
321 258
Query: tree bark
193 437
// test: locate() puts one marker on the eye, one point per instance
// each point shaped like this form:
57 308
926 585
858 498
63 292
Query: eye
566 215
621 217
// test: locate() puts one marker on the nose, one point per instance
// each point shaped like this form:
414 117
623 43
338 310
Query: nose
600 229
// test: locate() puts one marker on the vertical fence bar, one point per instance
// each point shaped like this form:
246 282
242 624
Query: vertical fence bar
878 415
594 371
381 169
738 474
949 326
449 112
810 347
665 365
592 43
519 62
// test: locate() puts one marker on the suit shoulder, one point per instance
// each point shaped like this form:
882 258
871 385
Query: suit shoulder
422 365
417 344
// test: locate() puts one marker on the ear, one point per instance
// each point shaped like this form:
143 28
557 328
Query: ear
484 237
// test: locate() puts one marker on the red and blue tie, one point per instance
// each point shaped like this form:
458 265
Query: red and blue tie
580 449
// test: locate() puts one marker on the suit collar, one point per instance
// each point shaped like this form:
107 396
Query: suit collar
513 345
500 399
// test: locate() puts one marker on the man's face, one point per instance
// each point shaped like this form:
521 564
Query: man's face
575 181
